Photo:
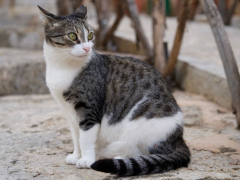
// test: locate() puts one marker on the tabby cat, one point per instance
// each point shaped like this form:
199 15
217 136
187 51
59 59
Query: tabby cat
120 109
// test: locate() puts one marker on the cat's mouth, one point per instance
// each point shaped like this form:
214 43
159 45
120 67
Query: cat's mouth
80 55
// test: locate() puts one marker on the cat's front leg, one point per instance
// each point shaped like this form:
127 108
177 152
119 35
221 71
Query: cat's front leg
73 122
88 139
74 157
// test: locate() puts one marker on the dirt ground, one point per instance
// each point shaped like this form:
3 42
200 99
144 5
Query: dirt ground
35 139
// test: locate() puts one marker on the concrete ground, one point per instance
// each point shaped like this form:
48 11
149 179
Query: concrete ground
35 140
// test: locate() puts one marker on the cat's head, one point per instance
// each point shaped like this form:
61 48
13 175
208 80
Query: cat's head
70 35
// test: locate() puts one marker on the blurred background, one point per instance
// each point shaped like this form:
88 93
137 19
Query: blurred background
174 36
118 29
143 28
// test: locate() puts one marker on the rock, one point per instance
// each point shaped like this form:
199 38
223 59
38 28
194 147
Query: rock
207 79
219 143
192 116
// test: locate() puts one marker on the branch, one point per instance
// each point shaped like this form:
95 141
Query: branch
109 35
133 12
231 12
178 38
158 19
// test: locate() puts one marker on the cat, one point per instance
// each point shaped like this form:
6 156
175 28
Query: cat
119 108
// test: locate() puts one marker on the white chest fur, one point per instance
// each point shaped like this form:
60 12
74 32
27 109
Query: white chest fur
60 77
61 69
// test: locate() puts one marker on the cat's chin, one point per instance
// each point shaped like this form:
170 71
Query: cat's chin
81 55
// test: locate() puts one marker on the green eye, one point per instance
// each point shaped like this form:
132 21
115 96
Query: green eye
90 36
72 36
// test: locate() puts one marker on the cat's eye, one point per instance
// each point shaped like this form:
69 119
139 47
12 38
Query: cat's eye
72 36
90 36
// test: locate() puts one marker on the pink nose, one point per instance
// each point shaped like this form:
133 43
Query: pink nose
86 49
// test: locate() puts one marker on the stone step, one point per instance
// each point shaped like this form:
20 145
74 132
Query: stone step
21 26
22 72
23 38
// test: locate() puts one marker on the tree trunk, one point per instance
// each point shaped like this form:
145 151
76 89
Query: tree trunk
133 13
223 10
158 19
225 52
231 12
64 7
193 9
178 38
76 4
103 17
67 7
120 14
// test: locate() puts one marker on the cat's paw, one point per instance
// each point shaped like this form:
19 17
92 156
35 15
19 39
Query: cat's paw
72 158
84 163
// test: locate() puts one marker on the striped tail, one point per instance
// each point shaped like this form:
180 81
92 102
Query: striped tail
145 164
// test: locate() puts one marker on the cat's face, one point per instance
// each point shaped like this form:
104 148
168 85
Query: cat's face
70 35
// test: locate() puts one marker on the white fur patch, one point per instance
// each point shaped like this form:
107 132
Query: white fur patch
79 51
87 143
62 68
72 158
133 138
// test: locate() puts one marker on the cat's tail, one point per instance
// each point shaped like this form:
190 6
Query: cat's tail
146 164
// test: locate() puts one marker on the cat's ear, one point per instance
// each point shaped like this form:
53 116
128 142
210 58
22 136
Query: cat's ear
82 12
48 17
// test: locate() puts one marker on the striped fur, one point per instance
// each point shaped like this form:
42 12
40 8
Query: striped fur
164 156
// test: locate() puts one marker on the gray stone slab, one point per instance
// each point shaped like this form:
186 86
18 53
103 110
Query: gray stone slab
203 78
22 72
23 38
